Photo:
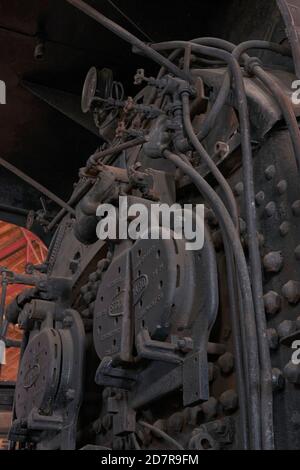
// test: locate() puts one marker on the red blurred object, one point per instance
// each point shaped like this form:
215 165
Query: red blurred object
18 247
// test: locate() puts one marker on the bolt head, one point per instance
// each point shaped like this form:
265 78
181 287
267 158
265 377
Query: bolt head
239 189
175 423
291 291
272 302
284 229
229 401
282 187
270 209
260 198
226 363
270 172
273 262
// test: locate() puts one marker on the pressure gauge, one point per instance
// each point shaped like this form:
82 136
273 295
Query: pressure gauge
98 84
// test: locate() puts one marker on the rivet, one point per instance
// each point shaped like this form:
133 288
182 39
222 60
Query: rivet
272 302
239 189
226 363
229 401
260 198
270 209
273 262
282 187
291 291
270 172
175 423
284 229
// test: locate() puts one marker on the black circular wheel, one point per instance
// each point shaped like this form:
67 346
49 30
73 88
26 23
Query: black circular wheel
39 374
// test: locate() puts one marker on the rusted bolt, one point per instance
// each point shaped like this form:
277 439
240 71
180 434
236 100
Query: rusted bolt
282 187
260 198
291 291
229 401
226 363
272 302
273 262
270 209
270 172
239 189
89 297
94 277
284 229
175 423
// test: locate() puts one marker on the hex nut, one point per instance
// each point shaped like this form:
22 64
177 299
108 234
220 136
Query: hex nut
272 302
273 262
229 401
226 363
291 291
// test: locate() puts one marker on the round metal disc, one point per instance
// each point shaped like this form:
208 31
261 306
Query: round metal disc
89 89
39 374
97 83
